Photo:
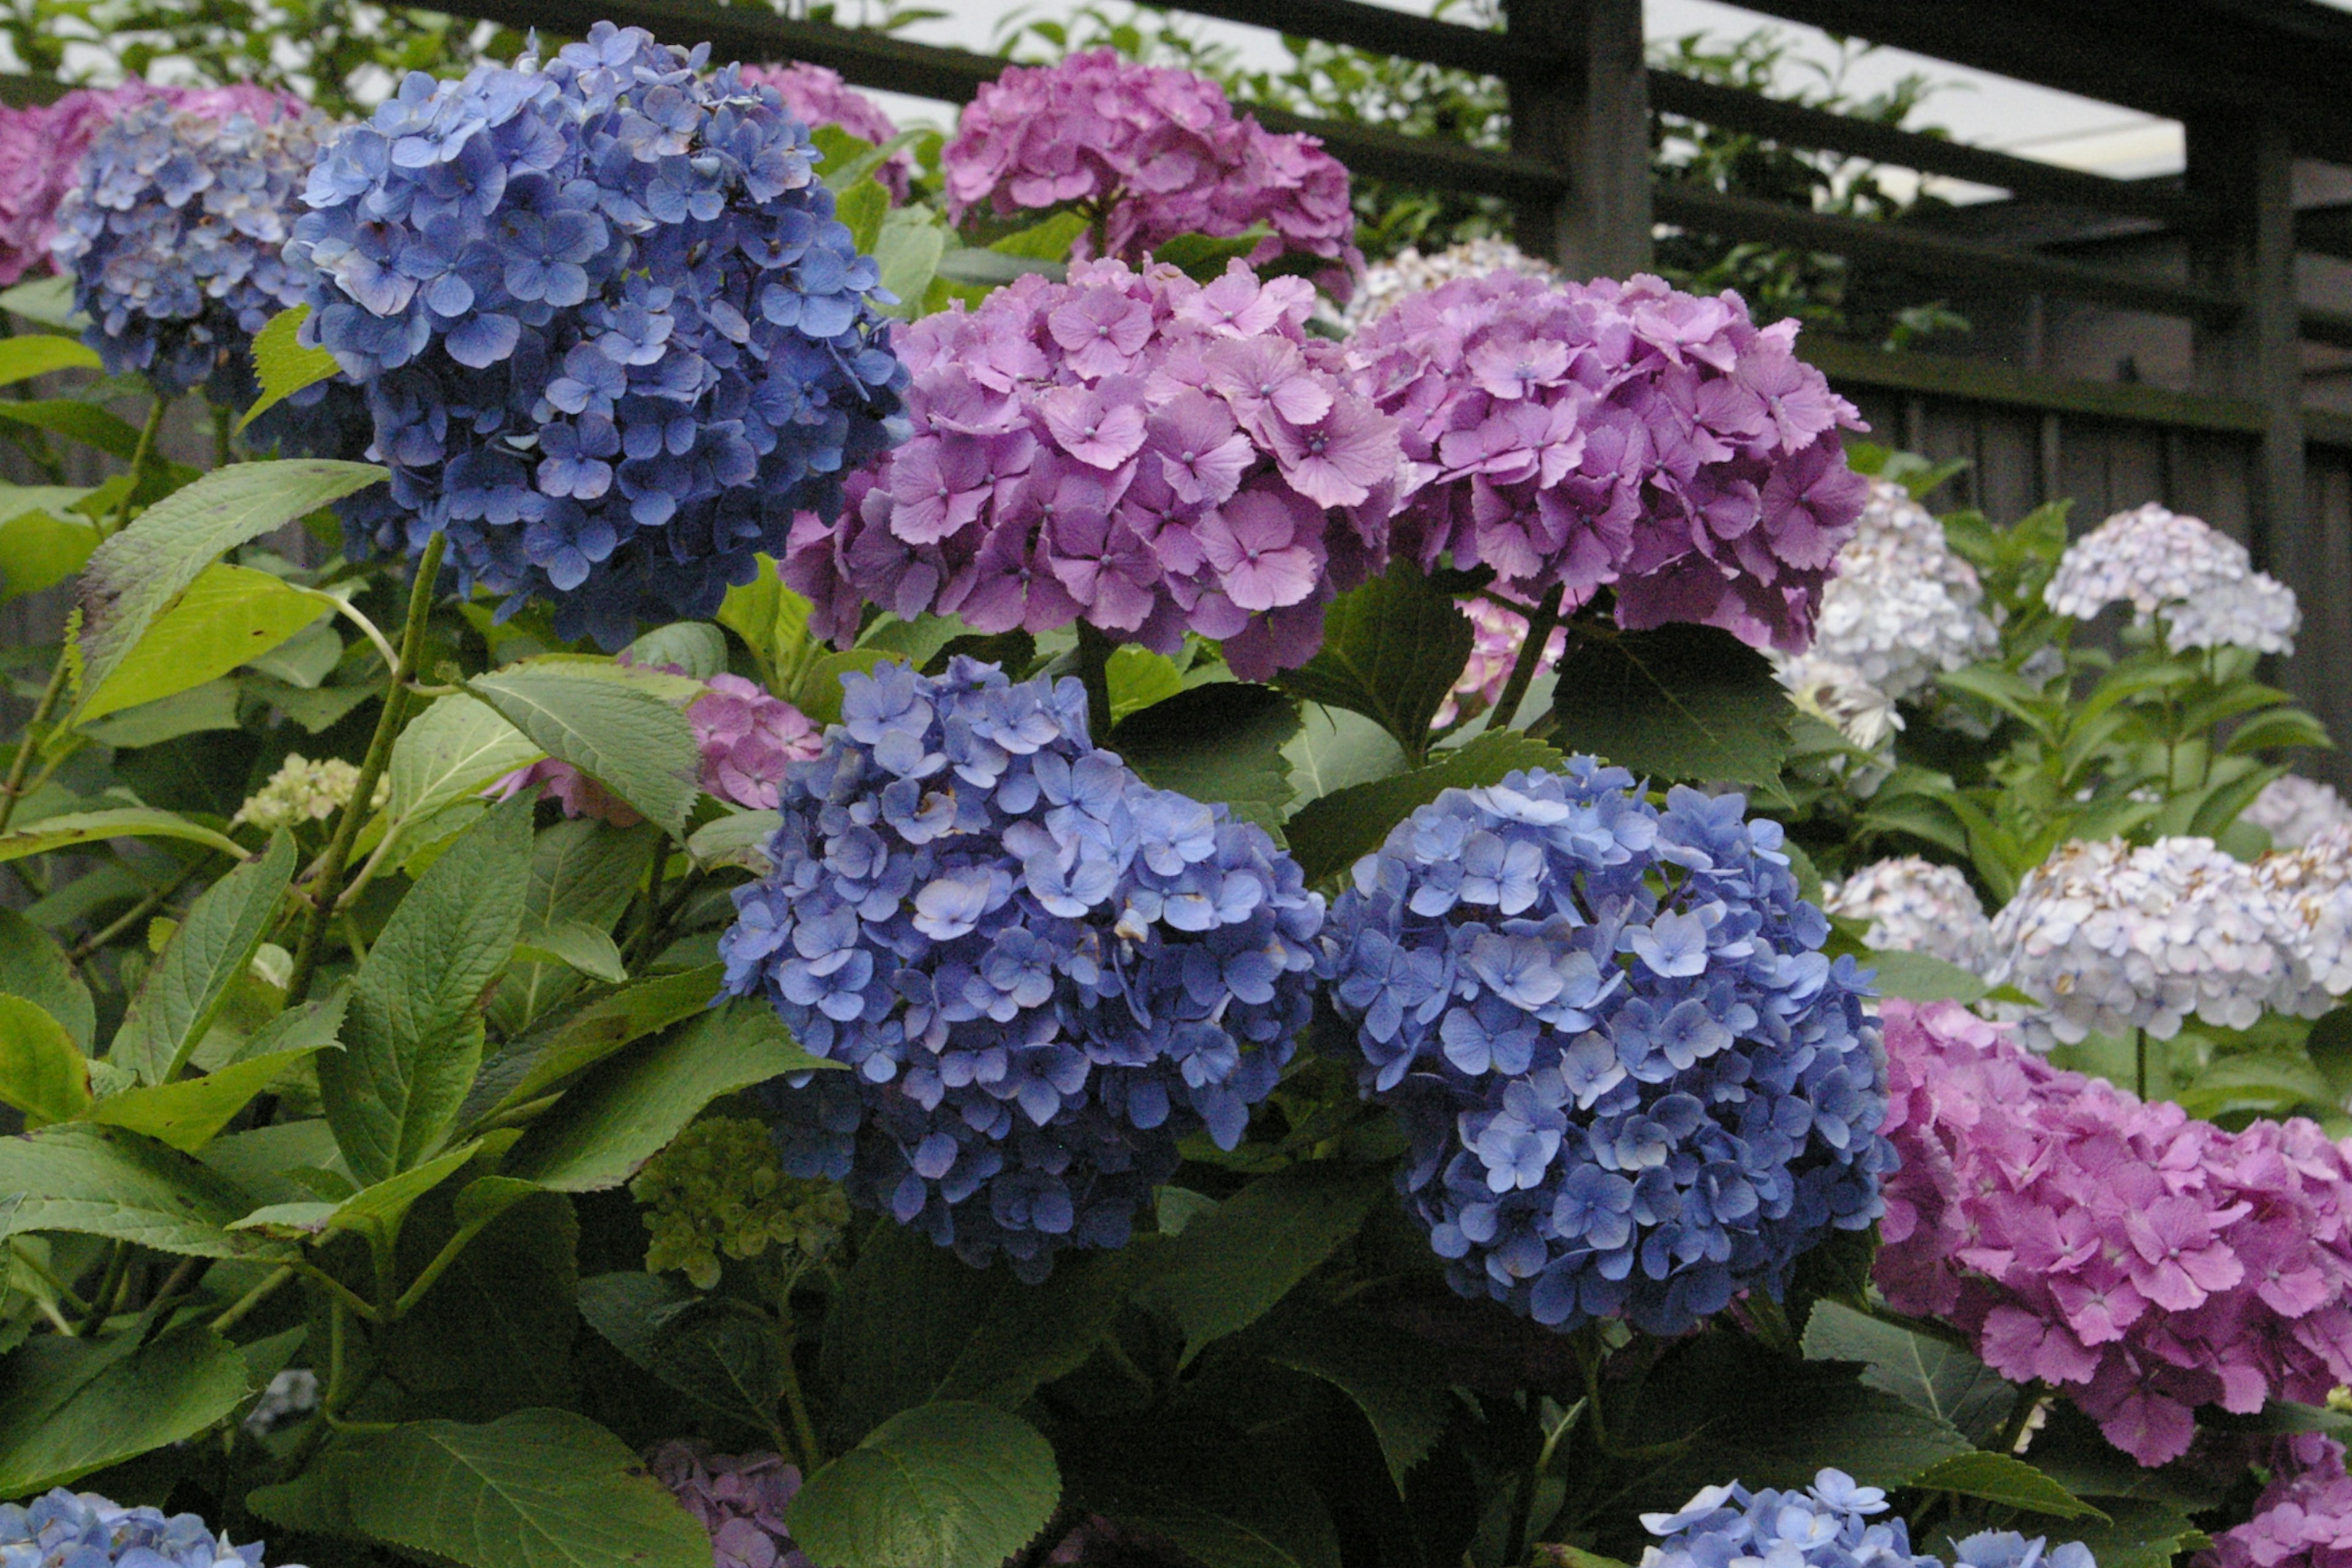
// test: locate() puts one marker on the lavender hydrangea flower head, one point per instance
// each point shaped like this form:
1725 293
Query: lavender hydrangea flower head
1633 1085
1627 436
2294 810
1832 1524
86 1531
174 235
1150 152
612 335
2198 581
1903 608
740 1498
2303 1520
816 95
1040 972
1911 905
1136 450
2144 1262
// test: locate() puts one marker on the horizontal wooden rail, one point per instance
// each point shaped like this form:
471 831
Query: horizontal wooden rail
1936 255
2320 325
1984 380
1385 32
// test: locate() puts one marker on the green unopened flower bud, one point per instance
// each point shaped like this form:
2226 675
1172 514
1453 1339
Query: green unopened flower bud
718 1189
303 791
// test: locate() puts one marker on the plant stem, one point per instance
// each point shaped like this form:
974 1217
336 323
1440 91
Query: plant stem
2140 1055
254 1298
137 912
138 455
118 1264
787 1336
1094 668
328 885
13 790
1540 623
2028 1400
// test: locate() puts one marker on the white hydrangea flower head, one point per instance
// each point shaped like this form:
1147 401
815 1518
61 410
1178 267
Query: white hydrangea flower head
2294 810
1410 272
2163 563
1903 608
303 791
2311 889
1912 905
1842 697
2107 939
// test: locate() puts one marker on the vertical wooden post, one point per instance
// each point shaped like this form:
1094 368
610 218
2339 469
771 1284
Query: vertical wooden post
1588 116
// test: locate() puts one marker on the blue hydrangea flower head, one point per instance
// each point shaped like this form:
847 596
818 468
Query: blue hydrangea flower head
1041 971
1832 1524
1633 1085
83 1529
174 238
612 334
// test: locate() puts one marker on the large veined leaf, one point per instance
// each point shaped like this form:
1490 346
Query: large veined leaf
538 1489
38 353
73 829
719 1352
952 1485
632 741
105 1180
1222 742
1391 1375
1391 650
1330 833
1923 1371
207 954
135 575
413 1036
189 1113
450 751
531 1071
42 1073
42 541
69 1406
32 965
2002 1478
1684 702
229 615
1217 1493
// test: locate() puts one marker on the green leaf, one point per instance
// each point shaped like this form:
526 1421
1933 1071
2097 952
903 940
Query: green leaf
190 1113
32 965
1920 977
47 301
1202 256
450 751
494 1334
2132 1534
538 1489
1232 1264
739 838
136 575
375 1210
991 267
42 1073
1391 650
413 1037
2267 1085
1998 1478
863 207
258 1160
582 874
1334 749
76 829
1217 743
1217 1494
907 255
719 1352
41 543
576 946
697 647
1048 241
536 1069
104 1181
1139 678
818 693
1329 835
952 1485
282 364
229 615
71 1406
76 421
1681 702
1926 1373
212 948
39 354
772 620
628 1109
212 706
1391 1375
633 743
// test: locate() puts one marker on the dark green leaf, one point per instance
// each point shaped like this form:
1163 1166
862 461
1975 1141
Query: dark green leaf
629 740
212 949
582 875
104 1181
1232 1264
413 1036
1919 977
494 1333
1334 749
76 421
1216 742
41 1072
71 1406
1219 1496
1391 650
1389 1374
32 965
1998 1478
539 1489
1927 1374
535 1068
1331 833
72 830
952 1485
2137 1534
1204 256
719 1352
1682 702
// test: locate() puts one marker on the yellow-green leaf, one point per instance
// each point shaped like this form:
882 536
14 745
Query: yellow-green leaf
41 1074
228 615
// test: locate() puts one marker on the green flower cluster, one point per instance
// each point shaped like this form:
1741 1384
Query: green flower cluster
719 1188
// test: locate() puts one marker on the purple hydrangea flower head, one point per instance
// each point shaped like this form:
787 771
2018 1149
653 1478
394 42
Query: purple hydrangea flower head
739 1498
2305 1518
1633 1085
612 335
1136 450
2145 1262
173 234
1618 436
1041 971
1833 1523
1151 152
747 738
816 95
86 1531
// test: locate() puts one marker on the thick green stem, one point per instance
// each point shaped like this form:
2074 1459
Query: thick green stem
2021 1418
328 886
11 792
796 1402
1541 624
244 1304
1094 668
2139 1060
138 455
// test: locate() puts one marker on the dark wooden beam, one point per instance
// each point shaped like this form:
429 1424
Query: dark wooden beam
1988 382
2316 324
1382 31
2326 230
1937 255
1588 121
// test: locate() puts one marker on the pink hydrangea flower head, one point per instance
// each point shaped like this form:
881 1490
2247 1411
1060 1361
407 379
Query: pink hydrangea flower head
816 95
41 148
740 1498
2145 1262
579 794
1621 436
1496 634
2305 1518
747 739
1151 152
1133 450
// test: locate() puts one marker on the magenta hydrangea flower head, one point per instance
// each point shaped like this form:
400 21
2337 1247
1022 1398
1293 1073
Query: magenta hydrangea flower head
1135 450
2303 1520
816 95
1150 152
740 1498
2146 1263
612 335
1620 436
